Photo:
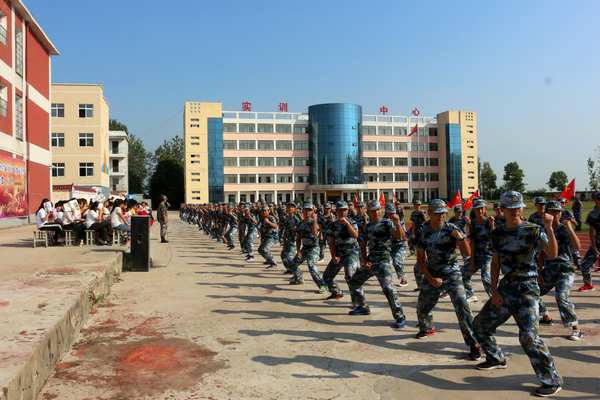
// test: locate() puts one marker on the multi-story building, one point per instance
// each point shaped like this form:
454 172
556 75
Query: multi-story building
25 155
332 152
118 161
81 143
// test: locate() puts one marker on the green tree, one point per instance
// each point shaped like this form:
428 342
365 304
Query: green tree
594 171
173 147
487 179
513 177
167 179
139 165
558 180
114 125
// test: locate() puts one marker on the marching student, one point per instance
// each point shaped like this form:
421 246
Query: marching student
593 254
307 246
538 216
480 237
418 218
250 223
268 236
398 246
288 251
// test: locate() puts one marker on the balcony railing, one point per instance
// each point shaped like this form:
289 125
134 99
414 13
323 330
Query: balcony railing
118 170
119 188
117 151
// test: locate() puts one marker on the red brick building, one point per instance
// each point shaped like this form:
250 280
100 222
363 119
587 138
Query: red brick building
25 150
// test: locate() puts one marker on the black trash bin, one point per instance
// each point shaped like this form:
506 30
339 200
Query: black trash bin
140 243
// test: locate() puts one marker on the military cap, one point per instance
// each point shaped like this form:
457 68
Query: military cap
360 204
479 203
458 207
291 203
265 208
512 199
553 205
246 207
437 206
540 200
327 205
341 205
390 209
398 202
496 205
373 205
308 205
596 196
417 202
561 200
230 207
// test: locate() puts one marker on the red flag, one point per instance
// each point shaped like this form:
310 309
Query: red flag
469 203
568 192
456 200
395 199
355 201
382 200
414 129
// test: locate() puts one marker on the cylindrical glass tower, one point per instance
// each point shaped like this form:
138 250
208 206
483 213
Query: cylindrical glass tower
334 144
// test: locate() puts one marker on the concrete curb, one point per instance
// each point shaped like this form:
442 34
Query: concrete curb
32 376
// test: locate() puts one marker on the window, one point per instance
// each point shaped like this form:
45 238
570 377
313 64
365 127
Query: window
471 157
371 177
300 144
386 162
400 146
246 128
470 147
470 162
19 117
195 180
300 161
301 178
369 130
86 140
434 162
385 146
422 132
283 144
195 137
194 126
471 177
247 162
433 147
58 170
3 97
265 145
195 144
195 120
3 36
195 198
434 177
399 131
229 144
401 177
386 177
195 192
229 178
248 178
58 140
418 146
266 161
195 155
469 141
369 146
369 161
266 178
471 172
86 111
86 169
285 178
229 128
384 130
283 128
300 128
194 162
58 110
18 51
401 162
195 173
265 128
284 162
230 161
247 144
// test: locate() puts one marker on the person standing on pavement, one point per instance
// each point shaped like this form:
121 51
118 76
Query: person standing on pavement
518 293
163 218
268 236
418 218
577 213
288 251
480 241
398 246
307 246
566 214
593 254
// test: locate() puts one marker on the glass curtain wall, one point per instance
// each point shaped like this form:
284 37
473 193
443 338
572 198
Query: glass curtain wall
215 160
453 159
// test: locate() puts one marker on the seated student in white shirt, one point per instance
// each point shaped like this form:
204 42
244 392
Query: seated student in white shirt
117 217
44 218
75 224
94 221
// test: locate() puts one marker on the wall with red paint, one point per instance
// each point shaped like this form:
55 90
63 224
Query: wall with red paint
39 184
37 60
38 125
6 51
6 123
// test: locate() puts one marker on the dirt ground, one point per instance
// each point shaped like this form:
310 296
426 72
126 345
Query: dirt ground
203 323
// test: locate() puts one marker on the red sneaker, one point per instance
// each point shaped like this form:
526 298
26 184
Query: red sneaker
586 287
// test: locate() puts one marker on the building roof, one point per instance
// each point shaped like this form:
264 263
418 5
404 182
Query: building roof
35 27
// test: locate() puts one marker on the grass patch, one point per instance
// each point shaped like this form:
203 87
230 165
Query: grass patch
126 264
100 299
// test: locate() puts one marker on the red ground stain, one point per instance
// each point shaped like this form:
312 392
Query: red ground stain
78 353
62 271
4 303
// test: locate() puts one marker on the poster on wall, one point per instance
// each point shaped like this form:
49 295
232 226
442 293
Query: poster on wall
13 188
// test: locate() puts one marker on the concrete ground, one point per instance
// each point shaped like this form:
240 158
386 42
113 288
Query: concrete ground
203 323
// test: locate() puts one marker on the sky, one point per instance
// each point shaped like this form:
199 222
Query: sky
530 69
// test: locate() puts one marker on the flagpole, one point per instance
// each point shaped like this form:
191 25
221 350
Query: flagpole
409 162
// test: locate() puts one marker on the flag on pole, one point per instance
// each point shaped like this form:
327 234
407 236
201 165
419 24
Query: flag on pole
395 199
382 200
568 192
414 130
469 203
355 201
456 200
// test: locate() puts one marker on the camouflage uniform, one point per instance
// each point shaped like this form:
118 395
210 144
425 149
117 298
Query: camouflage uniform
461 224
309 250
440 247
399 252
378 237
251 234
577 214
289 246
574 253
593 220
481 235
418 221
558 273
269 239
520 291
163 220
233 227
346 248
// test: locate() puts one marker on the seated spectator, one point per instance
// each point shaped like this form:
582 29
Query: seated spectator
94 221
75 224
45 217
117 218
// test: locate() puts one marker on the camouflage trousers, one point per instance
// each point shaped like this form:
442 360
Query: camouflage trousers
350 262
310 255
248 243
483 265
382 270
560 277
419 277
398 255
588 263
521 301
229 236
429 296
163 231
575 255
577 216
264 249
322 245
288 253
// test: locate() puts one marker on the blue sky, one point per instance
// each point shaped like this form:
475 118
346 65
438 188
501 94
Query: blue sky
530 69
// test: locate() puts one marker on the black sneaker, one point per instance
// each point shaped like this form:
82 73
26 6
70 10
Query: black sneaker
486 366
475 353
546 323
360 310
547 390
424 334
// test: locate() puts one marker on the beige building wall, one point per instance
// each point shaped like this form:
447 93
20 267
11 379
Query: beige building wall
72 125
468 130
195 135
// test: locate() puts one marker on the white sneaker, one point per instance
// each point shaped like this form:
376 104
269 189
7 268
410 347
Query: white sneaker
472 299
576 335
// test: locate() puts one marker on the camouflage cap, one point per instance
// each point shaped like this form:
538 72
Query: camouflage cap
291 204
308 205
561 200
596 196
360 204
553 205
327 205
230 207
479 203
496 205
539 200
390 209
341 205
458 207
512 199
265 208
437 206
417 202
398 202
373 205
246 207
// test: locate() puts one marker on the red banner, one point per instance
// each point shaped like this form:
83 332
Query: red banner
13 188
